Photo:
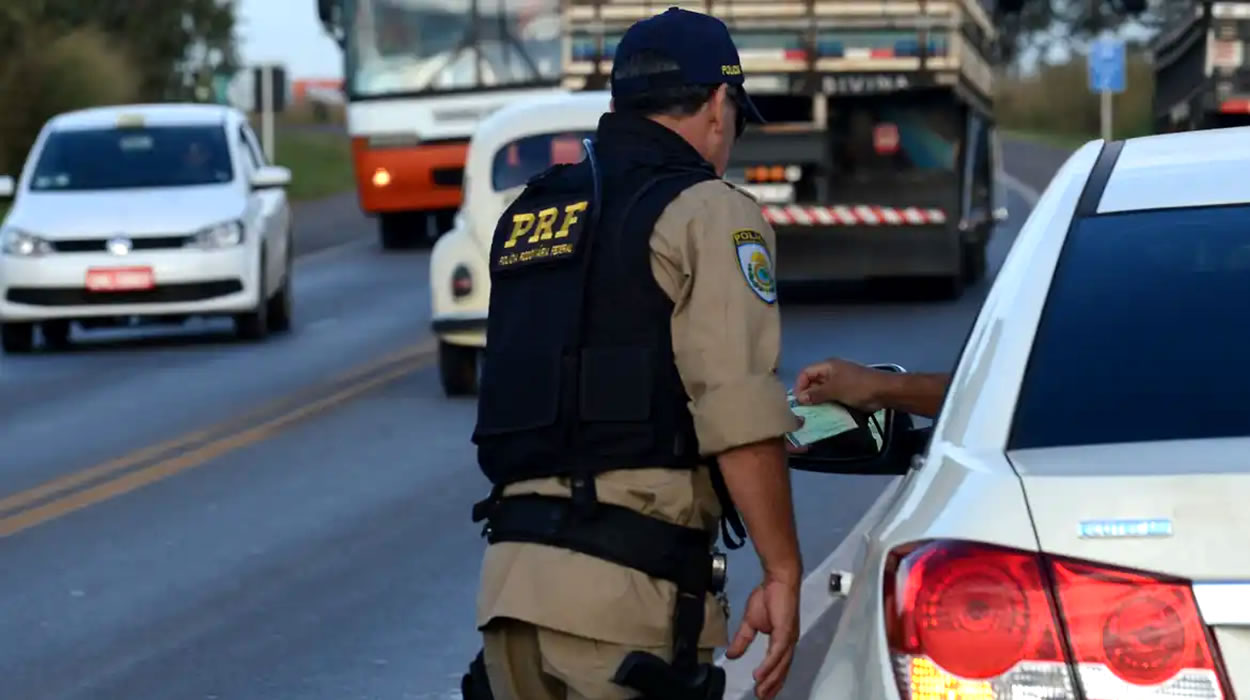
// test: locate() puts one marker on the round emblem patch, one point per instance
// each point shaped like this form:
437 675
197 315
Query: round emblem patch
756 264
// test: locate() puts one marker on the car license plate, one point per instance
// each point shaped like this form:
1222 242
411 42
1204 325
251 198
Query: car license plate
119 279
771 194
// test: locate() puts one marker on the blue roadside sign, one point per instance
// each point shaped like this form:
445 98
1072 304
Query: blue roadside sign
1106 66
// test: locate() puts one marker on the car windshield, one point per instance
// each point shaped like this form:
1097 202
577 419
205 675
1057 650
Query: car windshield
524 158
109 159
1145 334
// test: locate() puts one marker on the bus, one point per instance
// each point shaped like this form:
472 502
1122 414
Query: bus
419 75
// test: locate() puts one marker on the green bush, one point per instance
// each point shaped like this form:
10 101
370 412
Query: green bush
49 74
1056 100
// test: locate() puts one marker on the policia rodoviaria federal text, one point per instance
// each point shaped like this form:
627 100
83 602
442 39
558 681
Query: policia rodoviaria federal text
629 399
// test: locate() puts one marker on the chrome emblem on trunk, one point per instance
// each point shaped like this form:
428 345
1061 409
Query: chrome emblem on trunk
1146 527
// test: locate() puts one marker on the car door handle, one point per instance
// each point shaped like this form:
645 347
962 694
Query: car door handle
840 583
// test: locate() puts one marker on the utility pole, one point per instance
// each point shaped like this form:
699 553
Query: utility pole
1104 96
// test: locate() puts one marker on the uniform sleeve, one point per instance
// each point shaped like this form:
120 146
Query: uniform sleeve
726 324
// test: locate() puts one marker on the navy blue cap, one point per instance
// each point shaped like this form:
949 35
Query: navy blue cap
699 44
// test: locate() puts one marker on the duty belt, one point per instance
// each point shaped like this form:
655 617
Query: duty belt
663 550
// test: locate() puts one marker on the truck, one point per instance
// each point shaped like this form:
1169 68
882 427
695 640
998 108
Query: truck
1201 76
880 154
419 76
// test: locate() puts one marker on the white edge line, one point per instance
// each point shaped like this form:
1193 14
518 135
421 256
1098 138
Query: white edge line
814 600
1029 194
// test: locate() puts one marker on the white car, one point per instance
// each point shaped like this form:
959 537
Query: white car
144 211
1076 525
507 149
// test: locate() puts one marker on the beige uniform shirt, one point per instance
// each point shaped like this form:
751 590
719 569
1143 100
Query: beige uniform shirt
712 254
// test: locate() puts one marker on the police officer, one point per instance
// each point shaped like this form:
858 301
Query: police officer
629 401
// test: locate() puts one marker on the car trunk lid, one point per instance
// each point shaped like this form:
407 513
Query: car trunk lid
1176 508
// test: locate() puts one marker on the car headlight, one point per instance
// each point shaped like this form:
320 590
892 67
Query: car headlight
21 244
221 235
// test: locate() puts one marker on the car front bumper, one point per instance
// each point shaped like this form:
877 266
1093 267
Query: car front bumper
469 331
187 282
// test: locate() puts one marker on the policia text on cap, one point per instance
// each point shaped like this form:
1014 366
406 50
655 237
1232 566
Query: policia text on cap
629 399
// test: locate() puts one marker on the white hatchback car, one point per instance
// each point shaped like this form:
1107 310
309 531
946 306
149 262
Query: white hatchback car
1076 526
507 149
144 211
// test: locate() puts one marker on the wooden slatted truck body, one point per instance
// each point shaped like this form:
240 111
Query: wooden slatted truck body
880 154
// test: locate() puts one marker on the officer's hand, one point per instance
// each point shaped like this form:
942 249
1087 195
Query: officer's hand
838 380
773 609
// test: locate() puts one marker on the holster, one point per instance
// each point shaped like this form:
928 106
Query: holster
475 685
657 548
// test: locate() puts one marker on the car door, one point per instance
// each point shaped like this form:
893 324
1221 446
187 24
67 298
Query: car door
273 212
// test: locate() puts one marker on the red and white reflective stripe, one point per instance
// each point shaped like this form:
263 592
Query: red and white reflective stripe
772 55
862 52
854 215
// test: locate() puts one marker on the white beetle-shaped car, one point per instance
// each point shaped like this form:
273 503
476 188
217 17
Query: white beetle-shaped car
508 148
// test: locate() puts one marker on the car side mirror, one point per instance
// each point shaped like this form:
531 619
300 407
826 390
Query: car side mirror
7 187
271 176
885 442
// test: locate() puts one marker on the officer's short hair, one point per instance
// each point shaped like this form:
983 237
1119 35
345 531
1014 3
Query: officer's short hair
676 101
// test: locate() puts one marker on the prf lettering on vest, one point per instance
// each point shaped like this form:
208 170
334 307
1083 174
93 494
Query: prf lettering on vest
547 233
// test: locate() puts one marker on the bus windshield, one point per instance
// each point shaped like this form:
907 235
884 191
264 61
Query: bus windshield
417 46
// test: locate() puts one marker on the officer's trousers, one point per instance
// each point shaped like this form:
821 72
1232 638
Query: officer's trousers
528 662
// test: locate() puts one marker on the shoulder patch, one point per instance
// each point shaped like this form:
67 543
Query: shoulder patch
756 264
532 233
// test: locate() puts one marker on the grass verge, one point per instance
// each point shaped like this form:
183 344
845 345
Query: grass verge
1054 105
320 162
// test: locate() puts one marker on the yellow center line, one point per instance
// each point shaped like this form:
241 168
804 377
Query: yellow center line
70 481
197 457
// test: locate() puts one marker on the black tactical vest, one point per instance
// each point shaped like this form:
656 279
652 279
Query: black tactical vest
578 375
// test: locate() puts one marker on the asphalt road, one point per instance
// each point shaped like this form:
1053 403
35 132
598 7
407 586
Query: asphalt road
168 531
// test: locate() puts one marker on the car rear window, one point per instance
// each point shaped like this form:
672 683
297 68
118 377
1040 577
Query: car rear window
1145 334
517 162
109 159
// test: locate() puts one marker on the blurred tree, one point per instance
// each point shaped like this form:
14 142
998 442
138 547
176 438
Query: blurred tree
1043 24
75 69
170 41
60 55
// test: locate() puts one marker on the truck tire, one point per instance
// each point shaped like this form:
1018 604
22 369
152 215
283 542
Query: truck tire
974 261
951 287
391 231
457 369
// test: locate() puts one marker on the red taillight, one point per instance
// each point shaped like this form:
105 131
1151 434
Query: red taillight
1130 629
966 620
461 281
972 621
